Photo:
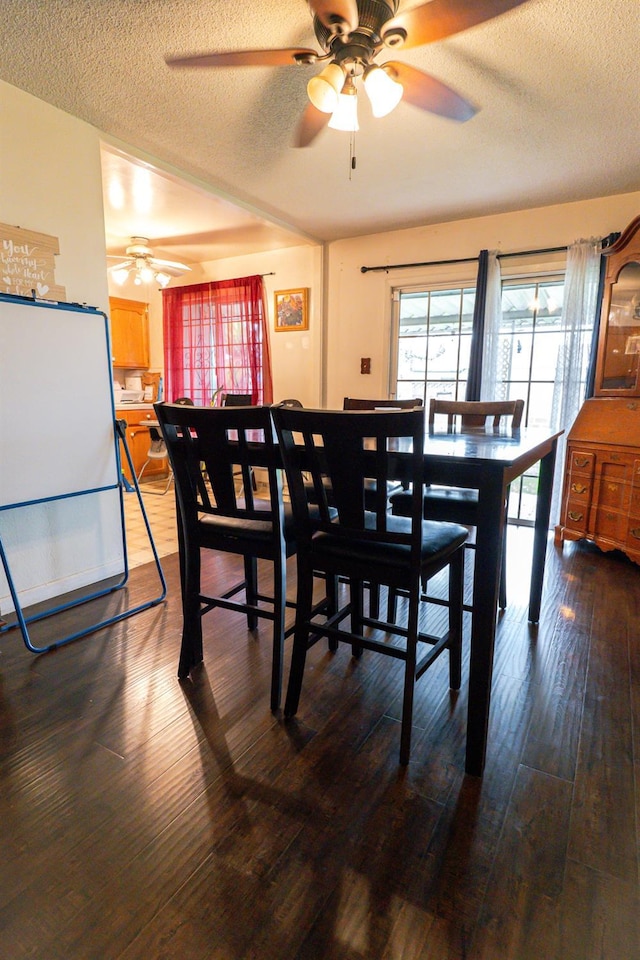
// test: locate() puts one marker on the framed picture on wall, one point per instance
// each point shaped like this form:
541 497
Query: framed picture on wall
291 309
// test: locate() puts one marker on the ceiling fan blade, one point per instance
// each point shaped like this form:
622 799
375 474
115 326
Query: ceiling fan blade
123 265
169 264
244 58
427 93
338 16
313 121
443 18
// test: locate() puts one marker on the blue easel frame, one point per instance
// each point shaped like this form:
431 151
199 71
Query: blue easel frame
119 435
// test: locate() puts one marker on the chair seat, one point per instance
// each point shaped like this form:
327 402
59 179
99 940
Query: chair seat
439 541
458 504
244 530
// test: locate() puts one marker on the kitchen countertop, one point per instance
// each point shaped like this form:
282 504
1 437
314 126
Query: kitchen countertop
136 406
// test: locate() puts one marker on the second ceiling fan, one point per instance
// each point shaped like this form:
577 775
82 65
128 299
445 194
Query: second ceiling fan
352 33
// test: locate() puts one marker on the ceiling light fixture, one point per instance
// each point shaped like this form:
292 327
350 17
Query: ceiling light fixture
383 91
325 88
345 115
142 273
143 267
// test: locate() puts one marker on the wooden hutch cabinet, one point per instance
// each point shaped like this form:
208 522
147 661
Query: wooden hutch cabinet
601 493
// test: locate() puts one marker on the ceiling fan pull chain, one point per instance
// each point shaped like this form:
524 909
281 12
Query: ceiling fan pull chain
352 152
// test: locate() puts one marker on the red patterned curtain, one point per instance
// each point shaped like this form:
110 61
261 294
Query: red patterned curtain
215 338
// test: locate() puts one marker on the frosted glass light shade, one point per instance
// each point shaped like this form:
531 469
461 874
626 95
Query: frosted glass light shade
120 276
345 115
383 91
323 90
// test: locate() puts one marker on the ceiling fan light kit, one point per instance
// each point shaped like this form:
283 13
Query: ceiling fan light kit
352 33
345 115
144 266
383 91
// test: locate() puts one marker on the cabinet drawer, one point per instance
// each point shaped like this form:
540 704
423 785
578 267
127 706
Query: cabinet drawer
581 462
577 515
633 534
580 489
610 524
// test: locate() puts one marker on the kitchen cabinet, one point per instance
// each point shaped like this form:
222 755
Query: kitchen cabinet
601 491
129 333
138 441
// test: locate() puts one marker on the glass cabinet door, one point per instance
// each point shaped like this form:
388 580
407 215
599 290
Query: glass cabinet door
622 344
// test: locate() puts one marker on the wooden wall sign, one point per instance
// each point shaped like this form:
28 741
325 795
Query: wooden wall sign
27 265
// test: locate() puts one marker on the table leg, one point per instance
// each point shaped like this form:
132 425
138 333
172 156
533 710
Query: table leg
541 533
489 543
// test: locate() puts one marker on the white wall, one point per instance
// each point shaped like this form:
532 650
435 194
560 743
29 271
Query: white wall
296 356
359 305
51 183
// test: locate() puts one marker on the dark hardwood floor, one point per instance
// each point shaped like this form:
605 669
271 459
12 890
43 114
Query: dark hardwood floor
145 818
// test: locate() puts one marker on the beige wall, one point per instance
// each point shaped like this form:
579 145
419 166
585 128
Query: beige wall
295 356
51 183
359 305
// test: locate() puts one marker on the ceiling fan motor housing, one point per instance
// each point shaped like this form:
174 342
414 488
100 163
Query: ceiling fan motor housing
372 16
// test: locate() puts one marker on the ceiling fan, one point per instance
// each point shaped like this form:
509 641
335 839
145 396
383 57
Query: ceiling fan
140 261
352 33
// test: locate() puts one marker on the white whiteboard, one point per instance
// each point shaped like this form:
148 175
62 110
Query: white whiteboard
56 402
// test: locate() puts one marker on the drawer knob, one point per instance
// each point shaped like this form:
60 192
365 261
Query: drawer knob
579 487
635 532
581 461
575 516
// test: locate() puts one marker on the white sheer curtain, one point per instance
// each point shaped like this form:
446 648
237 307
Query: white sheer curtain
579 314
492 388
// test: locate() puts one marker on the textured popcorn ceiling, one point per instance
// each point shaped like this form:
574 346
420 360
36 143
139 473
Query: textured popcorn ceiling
557 83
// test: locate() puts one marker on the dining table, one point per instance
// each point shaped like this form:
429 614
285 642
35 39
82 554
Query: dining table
489 462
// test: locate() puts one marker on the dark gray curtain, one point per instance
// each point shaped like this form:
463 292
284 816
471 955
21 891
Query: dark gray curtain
477 337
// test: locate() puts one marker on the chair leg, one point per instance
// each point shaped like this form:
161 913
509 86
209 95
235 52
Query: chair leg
392 605
279 609
304 602
332 587
502 594
357 596
456 600
374 600
191 647
409 677
251 589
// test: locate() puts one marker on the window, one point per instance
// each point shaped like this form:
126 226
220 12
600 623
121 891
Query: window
215 337
433 343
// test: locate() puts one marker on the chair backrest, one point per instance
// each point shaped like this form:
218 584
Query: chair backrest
210 450
353 403
342 451
184 401
291 402
237 400
474 414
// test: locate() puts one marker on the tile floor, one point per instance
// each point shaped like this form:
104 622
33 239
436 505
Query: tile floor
161 513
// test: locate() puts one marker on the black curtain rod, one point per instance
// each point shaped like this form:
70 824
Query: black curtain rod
439 263
606 242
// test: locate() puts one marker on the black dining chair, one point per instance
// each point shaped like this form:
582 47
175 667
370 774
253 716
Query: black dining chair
362 403
349 449
460 504
207 446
